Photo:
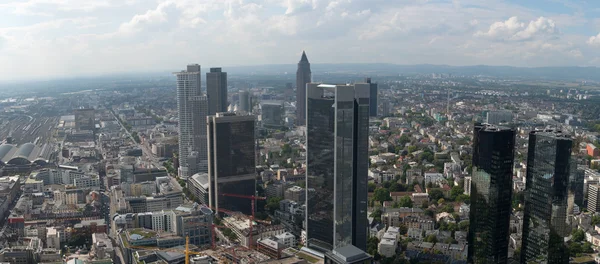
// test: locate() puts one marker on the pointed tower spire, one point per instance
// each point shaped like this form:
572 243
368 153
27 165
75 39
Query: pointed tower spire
304 58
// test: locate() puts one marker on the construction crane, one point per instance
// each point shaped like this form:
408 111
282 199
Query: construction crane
186 251
253 199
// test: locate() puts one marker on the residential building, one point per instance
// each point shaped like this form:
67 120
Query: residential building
296 194
594 198
491 193
52 238
216 91
232 168
303 77
337 127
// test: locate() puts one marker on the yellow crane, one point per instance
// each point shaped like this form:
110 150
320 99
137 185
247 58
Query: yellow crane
187 250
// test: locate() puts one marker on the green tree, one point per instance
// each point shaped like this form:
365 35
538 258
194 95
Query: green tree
382 195
595 220
405 201
273 204
455 192
376 215
412 149
431 239
372 186
435 194
578 235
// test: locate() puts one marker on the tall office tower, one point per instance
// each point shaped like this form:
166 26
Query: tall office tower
373 96
191 107
303 76
216 91
337 165
491 194
577 179
272 113
231 158
385 108
547 198
244 104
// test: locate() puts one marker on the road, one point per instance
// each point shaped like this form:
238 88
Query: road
146 152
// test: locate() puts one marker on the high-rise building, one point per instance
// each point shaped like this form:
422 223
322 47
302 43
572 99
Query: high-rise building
192 110
491 194
337 165
231 159
385 108
373 96
547 200
272 114
216 91
498 117
303 76
594 198
244 105
577 179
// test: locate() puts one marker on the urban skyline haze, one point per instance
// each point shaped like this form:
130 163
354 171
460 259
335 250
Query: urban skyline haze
50 39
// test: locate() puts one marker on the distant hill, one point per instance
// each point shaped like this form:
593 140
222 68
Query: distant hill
550 73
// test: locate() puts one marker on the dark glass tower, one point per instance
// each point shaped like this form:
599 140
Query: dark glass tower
303 76
231 161
547 198
373 96
491 191
337 165
216 91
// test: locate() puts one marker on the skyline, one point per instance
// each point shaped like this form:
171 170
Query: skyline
57 38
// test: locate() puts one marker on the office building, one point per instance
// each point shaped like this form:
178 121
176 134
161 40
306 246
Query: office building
499 117
272 114
491 194
547 198
198 186
216 91
337 165
303 76
192 110
373 96
347 255
232 165
385 107
594 198
576 187
245 105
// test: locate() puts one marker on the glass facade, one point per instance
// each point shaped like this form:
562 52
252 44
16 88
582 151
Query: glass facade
319 172
232 166
491 194
337 164
548 198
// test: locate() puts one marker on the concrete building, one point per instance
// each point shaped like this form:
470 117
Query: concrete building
337 125
216 91
52 238
594 198
287 239
84 119
272 114
199 187
296 194
245 103
498 117
192 109
232 158
303 77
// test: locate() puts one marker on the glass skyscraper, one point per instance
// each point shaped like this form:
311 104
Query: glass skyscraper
547 200
231 161
216 91
491 194
337 165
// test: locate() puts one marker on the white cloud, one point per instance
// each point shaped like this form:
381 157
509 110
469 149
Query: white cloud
154 16
594 40
513 29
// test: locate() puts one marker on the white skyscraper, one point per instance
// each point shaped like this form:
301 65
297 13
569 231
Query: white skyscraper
192 109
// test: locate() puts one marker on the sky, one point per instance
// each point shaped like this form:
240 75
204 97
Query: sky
42 39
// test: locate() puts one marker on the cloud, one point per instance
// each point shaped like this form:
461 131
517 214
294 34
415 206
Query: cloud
594 40
515 30
153 16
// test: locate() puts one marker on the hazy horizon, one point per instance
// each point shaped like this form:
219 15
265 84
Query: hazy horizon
50 39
